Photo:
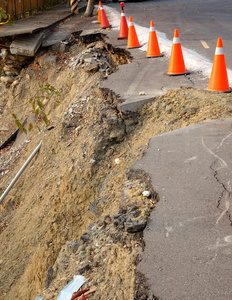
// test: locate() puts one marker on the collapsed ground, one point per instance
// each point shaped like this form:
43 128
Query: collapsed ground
78 208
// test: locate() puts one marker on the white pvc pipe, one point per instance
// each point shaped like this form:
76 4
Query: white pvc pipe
20 172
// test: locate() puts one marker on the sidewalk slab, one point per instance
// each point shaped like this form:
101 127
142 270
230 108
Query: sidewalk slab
188 240
37 22
27 44
144 78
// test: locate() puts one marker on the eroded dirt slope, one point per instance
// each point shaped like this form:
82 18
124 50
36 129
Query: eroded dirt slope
78 209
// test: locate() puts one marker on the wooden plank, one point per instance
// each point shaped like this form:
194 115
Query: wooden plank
34 4
27 44
11 8
19 7
27 5
40 3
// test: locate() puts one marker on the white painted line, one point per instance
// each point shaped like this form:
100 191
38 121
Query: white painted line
205 45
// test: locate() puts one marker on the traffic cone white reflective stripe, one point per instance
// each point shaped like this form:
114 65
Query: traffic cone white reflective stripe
219 51
176 40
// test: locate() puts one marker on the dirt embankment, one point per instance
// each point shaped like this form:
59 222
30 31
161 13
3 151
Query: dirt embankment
78 209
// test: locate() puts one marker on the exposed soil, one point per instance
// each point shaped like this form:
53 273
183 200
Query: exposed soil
78 208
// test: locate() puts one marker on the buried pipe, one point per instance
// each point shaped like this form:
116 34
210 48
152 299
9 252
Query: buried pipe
20 172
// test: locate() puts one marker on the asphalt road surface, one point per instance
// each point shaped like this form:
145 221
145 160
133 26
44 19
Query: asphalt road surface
188 239
200 22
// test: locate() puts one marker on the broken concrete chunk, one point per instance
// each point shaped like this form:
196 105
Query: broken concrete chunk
27 44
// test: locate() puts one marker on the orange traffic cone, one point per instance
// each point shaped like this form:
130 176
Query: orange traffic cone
218 79
123 32
104 21
153 49
133 41
99 13
176 64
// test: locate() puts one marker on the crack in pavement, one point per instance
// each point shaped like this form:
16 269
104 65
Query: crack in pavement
225 195
226 189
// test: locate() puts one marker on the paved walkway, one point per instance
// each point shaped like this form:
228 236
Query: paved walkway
37 22
188 241
144 78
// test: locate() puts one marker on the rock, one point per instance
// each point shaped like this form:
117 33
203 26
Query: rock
48 61
93 207
136 213
112 120
119 221
135 225
84 269
92 67
2 88
73 246
10 68
189 110
81 248
172 121
49 276
155 105
85 237
90 60
117 161
14 64
12 73
168 109
146 194
4 128
59 47
7 79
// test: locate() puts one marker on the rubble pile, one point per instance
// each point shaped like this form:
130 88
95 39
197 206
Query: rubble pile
101 244
94 59
13 64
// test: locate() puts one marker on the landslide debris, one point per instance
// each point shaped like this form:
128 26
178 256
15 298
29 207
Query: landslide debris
78 208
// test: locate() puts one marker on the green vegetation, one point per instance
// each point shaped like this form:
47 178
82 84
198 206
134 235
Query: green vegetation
45 94
3 15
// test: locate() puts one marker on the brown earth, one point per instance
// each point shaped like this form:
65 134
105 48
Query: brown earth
78 208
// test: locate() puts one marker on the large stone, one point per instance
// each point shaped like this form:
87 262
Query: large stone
135 225
12 73
48 61
11 68
7 79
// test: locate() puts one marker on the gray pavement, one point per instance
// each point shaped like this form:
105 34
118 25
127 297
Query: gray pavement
144 78
188 241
